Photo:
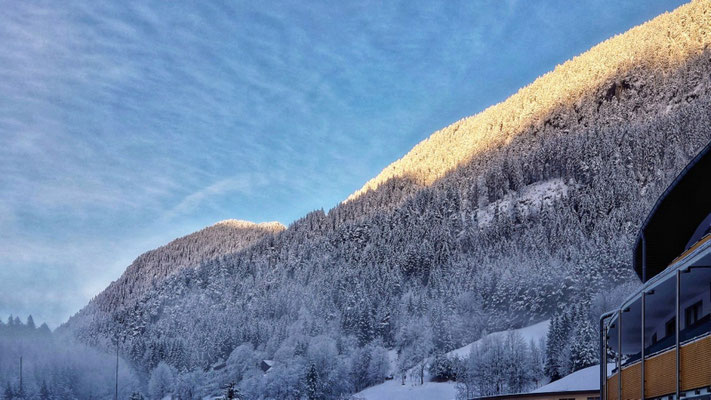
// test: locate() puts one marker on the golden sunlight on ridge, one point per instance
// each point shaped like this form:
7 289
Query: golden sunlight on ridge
654 48
237 223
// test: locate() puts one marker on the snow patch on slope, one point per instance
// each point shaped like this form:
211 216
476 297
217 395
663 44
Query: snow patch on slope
533 332
529 199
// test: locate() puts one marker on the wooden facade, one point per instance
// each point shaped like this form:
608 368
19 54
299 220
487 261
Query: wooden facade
660 373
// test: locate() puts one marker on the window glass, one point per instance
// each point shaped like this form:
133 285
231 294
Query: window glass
692 314
670 327
702 230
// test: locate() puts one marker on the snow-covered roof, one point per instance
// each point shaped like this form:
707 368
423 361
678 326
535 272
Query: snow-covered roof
587 380
266 365
583 380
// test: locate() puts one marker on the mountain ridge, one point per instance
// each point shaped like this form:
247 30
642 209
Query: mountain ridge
151 267
664 38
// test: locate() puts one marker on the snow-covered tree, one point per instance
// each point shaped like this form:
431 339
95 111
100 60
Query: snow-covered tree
415 341
517 356
8 393
555 341
136 396
313 384
442 369
536 361
583 351
162 381
44 393
378 365
188 384
30 323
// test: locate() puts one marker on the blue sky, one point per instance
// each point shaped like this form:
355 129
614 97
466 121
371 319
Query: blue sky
124 125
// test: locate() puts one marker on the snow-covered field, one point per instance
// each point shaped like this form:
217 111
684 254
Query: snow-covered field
412 390
394 390
533 332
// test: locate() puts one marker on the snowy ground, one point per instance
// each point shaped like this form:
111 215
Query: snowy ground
533 332
395 390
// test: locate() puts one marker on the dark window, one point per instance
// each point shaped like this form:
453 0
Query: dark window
692 314
654 338
670 327
702 230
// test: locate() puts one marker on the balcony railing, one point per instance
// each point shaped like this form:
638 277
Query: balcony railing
677 366
660 372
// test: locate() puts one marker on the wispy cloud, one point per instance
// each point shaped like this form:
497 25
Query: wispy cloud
241 186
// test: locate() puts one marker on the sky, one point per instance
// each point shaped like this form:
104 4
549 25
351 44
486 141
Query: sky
124 125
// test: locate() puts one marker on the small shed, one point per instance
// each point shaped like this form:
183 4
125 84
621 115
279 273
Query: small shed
266 365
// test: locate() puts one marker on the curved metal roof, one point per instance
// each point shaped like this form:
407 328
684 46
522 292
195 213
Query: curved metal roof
675 217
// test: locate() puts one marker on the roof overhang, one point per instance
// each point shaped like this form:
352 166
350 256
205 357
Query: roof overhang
674 218
537 395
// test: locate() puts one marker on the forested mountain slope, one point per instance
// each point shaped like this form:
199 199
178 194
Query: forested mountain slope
495 221
152 267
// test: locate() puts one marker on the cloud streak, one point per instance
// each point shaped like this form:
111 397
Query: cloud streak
242 185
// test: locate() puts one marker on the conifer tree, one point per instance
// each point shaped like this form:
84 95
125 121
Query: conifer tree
553 347
8 394
233 392
44 393
20 392
312 383
536 361
30 323
583 352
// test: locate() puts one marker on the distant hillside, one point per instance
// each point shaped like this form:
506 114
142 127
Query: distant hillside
494 222
153 267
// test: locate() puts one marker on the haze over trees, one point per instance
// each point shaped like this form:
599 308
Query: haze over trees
524 212
56 368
